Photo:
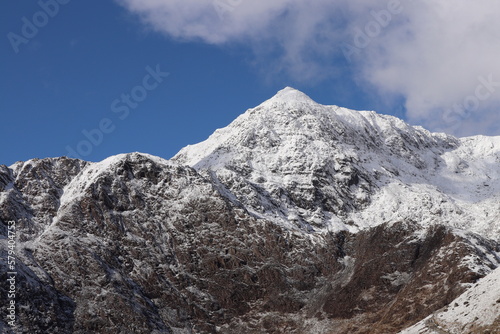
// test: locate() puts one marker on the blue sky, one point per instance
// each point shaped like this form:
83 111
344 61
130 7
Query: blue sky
60 82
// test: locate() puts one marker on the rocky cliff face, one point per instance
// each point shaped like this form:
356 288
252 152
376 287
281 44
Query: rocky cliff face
475 311
297 218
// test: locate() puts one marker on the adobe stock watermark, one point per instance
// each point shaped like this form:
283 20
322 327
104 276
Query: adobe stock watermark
225 7
460 111
11 274
30 27
362 37
121 107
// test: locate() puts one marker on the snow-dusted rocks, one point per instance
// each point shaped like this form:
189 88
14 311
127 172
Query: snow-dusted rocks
314 167
33 190
475 311
295 218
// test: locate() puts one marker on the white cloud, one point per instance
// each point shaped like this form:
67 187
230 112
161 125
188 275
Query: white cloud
291 36
431 52
437 57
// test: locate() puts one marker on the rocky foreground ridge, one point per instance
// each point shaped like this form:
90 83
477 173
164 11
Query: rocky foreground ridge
296 218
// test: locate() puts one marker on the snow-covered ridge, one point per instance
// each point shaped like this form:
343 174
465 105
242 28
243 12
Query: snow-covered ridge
291 112
372 168
76 188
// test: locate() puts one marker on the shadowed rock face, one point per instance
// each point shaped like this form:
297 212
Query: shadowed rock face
137 244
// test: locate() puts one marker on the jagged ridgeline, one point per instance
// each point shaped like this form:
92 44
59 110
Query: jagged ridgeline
295 218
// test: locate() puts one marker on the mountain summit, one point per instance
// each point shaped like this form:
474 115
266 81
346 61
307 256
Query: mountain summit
290 95
315 167
295 218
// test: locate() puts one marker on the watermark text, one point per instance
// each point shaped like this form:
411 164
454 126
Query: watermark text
11 273
31 27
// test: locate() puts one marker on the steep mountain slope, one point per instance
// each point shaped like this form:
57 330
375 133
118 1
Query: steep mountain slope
145 239
296 218
302 164
475 311
30 191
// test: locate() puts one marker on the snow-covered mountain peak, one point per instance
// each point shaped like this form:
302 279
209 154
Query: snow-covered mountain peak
292 122
308 165
289 95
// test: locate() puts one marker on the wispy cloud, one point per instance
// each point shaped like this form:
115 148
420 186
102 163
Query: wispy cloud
431 52
291 36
